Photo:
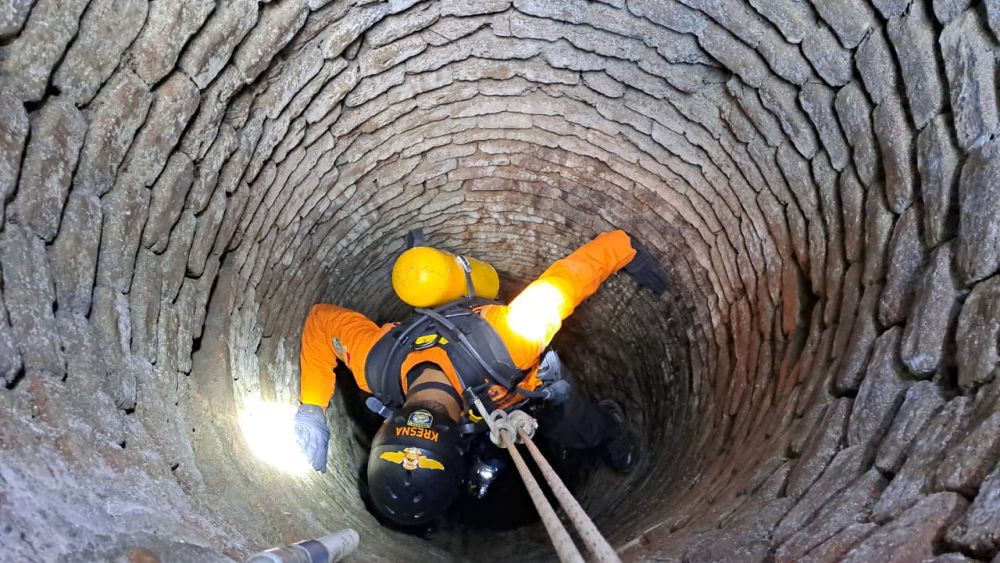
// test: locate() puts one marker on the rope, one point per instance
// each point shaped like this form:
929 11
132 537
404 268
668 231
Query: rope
518 425
591 536
565 548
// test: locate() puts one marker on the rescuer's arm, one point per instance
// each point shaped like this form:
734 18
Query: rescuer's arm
579 275
528 324
332 332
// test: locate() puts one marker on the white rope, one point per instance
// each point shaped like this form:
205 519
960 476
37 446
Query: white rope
591 536
518 426
504 435
565 548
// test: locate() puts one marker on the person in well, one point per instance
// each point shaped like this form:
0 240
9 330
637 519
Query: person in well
425 373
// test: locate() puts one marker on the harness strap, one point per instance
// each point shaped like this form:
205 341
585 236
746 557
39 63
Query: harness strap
440 386
470 288
377 407
396 344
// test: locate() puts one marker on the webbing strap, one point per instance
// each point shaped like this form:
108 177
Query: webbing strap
396 344
440 386
470 287
377 407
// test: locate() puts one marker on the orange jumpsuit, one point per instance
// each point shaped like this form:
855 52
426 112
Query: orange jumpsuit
526 326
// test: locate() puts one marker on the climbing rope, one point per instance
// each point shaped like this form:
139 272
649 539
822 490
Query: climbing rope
518 426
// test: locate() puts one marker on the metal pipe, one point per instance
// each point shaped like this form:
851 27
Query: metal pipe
591 536
327 549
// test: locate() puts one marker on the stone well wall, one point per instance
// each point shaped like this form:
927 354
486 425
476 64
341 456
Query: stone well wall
181 180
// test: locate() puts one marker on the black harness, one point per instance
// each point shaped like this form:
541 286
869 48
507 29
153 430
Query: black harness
477 352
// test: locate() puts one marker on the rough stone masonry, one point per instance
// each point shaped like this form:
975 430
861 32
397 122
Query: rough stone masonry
180 181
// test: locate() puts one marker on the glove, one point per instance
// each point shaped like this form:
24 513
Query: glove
312 435
645 270
550 368
557 392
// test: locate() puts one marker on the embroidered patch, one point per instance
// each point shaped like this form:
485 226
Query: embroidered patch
339 349
420 419
411 458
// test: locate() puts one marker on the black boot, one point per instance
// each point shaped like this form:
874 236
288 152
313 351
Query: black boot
619 452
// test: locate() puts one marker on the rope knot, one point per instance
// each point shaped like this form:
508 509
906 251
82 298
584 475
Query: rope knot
504 427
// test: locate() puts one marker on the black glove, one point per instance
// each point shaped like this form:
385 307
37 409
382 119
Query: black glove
645 270
556 392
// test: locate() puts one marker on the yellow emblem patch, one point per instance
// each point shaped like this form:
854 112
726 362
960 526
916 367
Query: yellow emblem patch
411 458
428 340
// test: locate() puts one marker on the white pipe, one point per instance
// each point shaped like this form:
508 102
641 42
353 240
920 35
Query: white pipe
327 549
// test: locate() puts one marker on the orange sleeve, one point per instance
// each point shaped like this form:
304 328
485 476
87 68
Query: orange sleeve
332 333
528 324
